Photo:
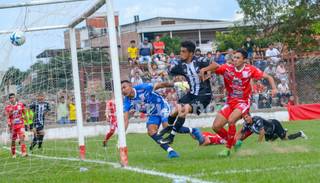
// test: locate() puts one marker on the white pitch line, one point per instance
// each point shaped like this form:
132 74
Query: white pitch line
259 169
129 168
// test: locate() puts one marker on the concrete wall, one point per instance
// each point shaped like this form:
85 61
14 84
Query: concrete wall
68 131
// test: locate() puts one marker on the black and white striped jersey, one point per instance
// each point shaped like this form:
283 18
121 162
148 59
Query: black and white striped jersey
191 73
39 109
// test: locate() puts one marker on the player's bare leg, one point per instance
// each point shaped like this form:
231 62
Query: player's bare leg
22 144
233 118
218 126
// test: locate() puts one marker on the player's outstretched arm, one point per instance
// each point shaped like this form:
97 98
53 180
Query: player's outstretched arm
261 135
212 68
163 85
272 83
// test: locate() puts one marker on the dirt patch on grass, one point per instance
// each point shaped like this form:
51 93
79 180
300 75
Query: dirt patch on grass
289 149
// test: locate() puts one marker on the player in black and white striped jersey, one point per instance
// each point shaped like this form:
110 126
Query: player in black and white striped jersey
40 108
199 96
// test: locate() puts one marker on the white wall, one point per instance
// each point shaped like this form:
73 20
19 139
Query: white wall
63 132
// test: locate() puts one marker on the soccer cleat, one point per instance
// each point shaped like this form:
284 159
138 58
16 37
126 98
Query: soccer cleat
167 140
224 153
173 154
198 135
303 135
24 154
167 129
14 156
238 145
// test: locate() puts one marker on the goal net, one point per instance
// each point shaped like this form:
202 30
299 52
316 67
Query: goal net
76 87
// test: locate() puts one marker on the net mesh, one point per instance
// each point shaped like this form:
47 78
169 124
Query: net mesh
42 65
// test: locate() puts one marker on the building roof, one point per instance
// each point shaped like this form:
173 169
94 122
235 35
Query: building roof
174 18
167 24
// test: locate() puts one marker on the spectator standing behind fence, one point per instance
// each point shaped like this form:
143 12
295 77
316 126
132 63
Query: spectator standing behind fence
132 52
248 46
258 90
72 111
158 46
273 54
145 52
62 111
281 72
93 106
136 79
284 92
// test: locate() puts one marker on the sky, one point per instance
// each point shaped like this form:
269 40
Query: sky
17 18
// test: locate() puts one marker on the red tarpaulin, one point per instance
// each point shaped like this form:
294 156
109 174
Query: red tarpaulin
304 112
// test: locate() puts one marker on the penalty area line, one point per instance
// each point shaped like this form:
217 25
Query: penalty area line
257 170
128 168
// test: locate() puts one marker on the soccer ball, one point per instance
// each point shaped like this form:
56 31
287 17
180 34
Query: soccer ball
17 38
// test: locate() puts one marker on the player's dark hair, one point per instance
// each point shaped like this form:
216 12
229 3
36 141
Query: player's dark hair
11 94
125 81
243 53
132 41
189 45
198 50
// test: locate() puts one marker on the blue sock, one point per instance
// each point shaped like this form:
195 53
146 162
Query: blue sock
157 138
184 130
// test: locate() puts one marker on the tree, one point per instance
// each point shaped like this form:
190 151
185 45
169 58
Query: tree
235 38
292 22
172 44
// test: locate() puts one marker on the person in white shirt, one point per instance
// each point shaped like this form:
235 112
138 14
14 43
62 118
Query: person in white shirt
284 91
273 54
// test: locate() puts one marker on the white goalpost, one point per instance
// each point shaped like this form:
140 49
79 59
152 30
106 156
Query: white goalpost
75 68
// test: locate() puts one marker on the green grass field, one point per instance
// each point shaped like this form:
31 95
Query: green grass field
280 161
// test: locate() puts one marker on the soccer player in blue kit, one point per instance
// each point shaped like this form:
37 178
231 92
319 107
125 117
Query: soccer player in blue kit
156 108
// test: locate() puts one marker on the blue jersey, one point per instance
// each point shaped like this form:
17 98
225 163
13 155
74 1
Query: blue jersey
153 104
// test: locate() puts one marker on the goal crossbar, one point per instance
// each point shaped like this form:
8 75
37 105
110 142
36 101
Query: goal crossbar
35 3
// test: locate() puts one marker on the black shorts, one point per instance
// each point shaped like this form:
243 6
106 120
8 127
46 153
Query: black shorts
38 127
277 132
198 102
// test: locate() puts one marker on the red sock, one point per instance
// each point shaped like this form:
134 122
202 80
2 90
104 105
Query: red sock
23 148
13 149
231 134
223 133
109 135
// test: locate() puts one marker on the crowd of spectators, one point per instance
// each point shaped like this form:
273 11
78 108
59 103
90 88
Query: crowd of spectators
153 65
149 62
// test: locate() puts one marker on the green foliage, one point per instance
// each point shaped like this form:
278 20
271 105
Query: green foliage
57 73
235 38
291 22
316 27
172 44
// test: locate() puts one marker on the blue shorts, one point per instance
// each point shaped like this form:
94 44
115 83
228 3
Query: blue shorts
159 119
